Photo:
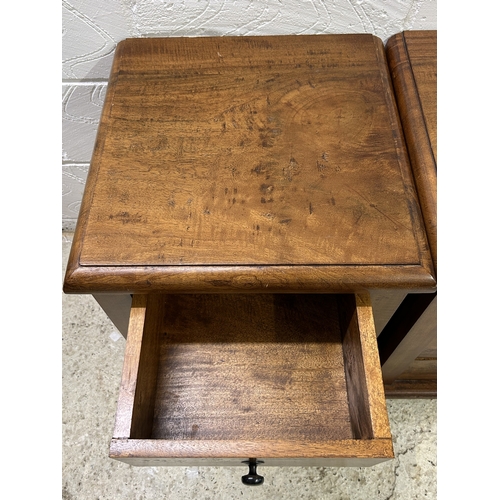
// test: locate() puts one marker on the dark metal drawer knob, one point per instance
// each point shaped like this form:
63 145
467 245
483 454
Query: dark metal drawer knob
252 478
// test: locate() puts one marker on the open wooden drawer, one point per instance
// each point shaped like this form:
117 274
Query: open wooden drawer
218 379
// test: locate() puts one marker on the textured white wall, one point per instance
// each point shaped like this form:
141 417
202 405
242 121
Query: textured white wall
92 28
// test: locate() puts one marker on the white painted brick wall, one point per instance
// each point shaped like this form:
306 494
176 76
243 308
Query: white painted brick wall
92 28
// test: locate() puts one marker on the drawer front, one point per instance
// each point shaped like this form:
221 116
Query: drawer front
289 379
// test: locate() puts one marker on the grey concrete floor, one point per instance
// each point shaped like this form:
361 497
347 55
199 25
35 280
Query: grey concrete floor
92 363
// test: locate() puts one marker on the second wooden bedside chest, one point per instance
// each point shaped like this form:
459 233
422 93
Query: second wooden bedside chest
408 344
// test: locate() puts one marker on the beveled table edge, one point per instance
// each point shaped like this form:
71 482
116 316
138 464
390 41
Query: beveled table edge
252 279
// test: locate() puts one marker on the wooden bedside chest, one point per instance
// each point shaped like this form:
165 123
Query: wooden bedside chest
247 199
408 344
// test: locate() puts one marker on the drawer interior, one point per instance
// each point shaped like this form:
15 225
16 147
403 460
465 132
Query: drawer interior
234 368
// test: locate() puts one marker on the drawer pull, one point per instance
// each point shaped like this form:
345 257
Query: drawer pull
252 478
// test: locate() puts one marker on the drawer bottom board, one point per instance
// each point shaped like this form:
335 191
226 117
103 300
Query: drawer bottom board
233 369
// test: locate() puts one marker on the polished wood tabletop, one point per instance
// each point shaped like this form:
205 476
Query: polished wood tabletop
250 164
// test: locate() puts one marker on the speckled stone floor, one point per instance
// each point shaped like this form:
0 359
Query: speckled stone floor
92 362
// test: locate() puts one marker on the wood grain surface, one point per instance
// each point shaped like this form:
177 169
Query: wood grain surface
234 367
412 59
130 373
368 355
249 152
421 47
344 453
